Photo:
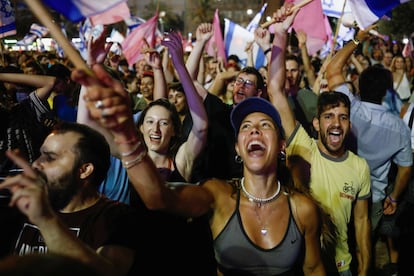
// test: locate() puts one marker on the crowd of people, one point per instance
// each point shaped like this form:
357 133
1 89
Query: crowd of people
183 163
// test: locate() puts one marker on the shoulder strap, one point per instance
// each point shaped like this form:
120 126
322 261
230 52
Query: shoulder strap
399 82
410 122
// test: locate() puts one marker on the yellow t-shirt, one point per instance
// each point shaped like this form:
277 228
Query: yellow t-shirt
335 183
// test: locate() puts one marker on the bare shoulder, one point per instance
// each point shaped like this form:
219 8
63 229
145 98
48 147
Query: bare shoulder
215 185
220 189
303 202
305 209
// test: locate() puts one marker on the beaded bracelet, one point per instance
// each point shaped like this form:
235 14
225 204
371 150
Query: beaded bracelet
137 160
126 154
392 200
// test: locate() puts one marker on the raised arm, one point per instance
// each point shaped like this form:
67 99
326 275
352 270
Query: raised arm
153 59
249 51
334 69
307 66
204 32
262 38
190 201
166 65
43 84
277 69
197 138
320 81
97 52
220 81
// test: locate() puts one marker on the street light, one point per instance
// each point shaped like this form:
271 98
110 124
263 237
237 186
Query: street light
161 19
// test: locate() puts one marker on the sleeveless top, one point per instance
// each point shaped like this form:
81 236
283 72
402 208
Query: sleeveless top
236 254
403 87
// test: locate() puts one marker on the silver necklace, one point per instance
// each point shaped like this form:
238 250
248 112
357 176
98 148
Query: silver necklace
263 226
259 201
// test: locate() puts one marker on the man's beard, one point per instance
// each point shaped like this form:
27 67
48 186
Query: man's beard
63 189
329 148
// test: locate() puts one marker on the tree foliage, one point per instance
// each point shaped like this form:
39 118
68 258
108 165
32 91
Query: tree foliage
203 12
401 24
170 21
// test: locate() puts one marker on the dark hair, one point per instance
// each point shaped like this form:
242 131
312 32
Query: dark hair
294 58
260 85
91 148
328 100
374 82
37 67
177 86
58 70
176 141
234 57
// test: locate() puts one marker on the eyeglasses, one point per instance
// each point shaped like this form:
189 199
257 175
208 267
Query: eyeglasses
248 83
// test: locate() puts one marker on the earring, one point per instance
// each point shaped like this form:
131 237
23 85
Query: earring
282 156
238 159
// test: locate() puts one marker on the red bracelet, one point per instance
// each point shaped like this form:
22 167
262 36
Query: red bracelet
392 200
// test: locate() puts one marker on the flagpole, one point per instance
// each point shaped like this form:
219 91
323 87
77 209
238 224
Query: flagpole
293 9
338 26
46 19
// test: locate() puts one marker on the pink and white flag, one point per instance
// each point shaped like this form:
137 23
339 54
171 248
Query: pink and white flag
116 14
310 19
134 42
215 46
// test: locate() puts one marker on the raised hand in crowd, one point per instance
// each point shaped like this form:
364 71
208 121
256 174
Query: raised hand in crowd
98 48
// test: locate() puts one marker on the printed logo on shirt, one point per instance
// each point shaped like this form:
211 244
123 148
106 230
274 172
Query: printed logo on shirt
348 191
340 263
30 241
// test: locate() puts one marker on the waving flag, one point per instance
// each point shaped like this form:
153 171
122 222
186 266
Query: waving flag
333 8
7 21
310 19
367 12
35 32
133 21
86 32
215 46
117 13
256 19
260 58
78 10
27 40
236 37
408 47
38 30
133 43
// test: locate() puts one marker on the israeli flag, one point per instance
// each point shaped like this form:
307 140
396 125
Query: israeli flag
334 8
367 12
78 10
235 39
7 20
